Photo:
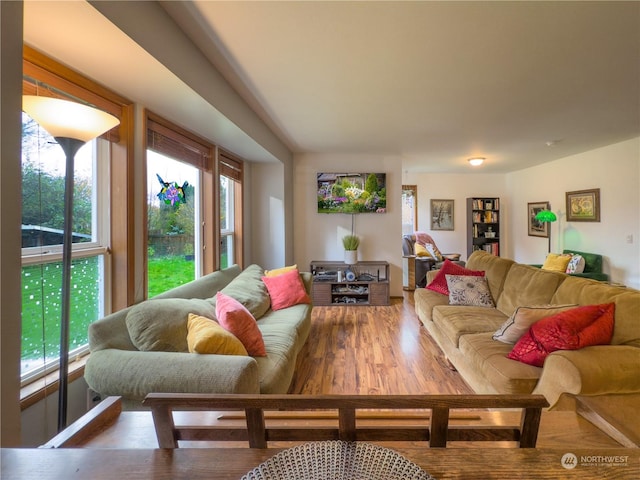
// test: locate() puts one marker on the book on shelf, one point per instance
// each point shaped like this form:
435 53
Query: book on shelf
486 204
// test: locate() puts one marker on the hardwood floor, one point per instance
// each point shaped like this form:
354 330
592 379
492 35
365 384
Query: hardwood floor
373 350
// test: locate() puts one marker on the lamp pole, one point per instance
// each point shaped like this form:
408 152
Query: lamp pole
70 146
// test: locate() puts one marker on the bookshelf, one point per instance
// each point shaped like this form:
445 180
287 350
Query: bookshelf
483 225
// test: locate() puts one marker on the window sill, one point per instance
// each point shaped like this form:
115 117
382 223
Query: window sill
39 389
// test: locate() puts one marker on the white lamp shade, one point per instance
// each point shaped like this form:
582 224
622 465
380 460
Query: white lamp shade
63 118
476 161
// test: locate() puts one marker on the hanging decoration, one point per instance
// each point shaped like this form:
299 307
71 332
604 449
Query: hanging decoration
172 193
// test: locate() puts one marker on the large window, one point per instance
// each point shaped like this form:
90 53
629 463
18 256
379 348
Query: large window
43 180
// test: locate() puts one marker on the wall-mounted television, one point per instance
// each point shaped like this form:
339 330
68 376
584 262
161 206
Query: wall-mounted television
352 192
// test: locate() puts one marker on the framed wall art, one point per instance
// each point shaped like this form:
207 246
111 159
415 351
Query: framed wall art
583 205
441 214
536 227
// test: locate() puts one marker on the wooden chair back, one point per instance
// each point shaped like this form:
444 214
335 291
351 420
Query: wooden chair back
437 430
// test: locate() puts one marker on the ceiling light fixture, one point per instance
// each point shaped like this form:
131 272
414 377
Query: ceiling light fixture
476 161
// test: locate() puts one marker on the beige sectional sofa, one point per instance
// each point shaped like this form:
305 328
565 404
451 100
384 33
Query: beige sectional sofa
116 367
465 334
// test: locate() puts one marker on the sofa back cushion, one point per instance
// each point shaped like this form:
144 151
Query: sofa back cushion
160 325
495 269
583 291
249 289
527 285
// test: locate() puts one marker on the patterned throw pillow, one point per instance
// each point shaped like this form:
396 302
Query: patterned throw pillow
576 264
469 290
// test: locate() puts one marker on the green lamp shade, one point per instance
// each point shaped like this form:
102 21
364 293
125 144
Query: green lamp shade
546 216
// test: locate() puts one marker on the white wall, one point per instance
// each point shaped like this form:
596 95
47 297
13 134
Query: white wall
458 188
267 221
318 236
615 170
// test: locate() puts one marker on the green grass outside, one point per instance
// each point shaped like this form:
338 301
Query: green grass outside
168 272
41 285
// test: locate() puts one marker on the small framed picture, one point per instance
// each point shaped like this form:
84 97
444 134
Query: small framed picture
536 227
583 205
441 214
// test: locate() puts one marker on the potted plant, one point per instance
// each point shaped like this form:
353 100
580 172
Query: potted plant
350 244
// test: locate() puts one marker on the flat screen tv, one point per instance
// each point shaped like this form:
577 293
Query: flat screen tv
352 192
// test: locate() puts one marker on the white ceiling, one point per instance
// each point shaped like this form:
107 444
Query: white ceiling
432 83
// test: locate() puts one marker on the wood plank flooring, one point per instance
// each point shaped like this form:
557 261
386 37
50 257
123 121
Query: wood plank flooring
373 350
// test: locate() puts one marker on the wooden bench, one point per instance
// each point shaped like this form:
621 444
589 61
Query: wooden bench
437 431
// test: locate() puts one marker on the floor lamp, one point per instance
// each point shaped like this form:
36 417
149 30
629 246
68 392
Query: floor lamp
547 216
72 125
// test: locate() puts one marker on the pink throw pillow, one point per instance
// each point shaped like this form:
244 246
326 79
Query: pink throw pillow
286 290
439 283
235 318
569 330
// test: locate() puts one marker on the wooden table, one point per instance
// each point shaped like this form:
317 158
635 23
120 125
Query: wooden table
232 463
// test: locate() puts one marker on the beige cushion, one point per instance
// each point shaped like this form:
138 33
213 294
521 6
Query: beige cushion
489 358
527 285
161 325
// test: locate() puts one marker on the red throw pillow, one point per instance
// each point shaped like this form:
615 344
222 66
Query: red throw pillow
235 318
569 330
286 290
439 283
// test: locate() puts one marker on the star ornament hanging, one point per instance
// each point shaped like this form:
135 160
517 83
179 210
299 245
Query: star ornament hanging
172 193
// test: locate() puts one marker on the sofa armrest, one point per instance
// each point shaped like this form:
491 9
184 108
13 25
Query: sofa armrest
134 374
597 370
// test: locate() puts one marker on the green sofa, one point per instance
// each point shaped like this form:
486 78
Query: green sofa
116 367
592 266
464 333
